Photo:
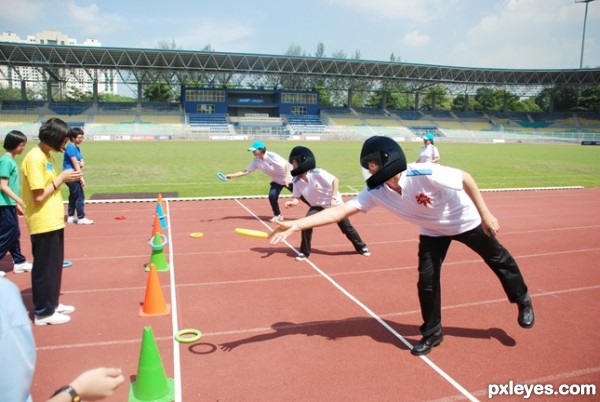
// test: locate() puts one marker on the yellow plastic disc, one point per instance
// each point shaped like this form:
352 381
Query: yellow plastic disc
196 234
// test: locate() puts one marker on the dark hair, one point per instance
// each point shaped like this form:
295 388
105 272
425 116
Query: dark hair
13 139
53 133
75 131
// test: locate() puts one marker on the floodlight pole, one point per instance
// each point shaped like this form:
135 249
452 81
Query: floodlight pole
587 3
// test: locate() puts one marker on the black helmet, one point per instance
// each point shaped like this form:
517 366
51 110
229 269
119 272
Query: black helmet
386 153
304 157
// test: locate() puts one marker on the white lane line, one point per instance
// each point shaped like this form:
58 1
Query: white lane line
554 293
174 312
431 364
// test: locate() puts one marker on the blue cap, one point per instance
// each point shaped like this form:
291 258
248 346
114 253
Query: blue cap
257 145
429 137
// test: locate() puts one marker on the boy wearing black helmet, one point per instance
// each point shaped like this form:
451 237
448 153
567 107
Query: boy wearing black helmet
320 190
446 204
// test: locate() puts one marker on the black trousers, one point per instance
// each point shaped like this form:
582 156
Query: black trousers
46 275
432 252
274 191
76 200
344 225
10 234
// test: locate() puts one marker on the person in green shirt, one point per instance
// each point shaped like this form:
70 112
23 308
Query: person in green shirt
11 205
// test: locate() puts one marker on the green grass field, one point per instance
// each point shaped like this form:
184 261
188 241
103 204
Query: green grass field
188 167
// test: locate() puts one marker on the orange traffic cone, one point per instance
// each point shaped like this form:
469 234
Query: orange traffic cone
151 382
156 227
160 201
154 301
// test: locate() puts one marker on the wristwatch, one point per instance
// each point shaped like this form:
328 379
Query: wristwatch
67 388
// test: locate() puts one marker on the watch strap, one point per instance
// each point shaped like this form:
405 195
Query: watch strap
71 391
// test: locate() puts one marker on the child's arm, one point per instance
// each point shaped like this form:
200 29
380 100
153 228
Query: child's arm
6 189
489 222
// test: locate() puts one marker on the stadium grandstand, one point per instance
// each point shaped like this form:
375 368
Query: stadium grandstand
252 110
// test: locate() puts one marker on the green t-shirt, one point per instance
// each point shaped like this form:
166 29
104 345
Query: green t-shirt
9 170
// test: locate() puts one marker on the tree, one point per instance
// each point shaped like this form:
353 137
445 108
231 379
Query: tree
464 102
557 99
526 106
10 93
159 92
320 53
442 99
590 98
169 45
486 99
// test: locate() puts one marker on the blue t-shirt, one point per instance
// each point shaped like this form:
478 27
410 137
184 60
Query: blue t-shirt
71 150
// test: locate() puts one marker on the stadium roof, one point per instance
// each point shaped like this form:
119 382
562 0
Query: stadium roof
189 66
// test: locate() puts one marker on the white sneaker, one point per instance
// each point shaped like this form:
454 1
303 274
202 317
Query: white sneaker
276 218
54 319
300 257
64 309
365 251
71 219
2 274
84 221
22 267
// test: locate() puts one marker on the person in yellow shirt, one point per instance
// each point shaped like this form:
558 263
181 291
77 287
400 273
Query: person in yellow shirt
44 213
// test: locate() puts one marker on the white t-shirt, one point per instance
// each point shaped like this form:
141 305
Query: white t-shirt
273 166
317 190
428 153
432 198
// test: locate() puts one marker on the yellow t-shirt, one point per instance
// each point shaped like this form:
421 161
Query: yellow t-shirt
39 171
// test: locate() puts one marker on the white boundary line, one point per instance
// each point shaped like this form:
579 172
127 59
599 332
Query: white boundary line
354 192
541 293
431 364
174 313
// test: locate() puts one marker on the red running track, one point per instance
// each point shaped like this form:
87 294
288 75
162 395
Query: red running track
333 328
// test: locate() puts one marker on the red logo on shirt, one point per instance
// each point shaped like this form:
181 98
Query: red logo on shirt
423 199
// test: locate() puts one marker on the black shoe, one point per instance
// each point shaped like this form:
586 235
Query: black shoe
424 346
526 317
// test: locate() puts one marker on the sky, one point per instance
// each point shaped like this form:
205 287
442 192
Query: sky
520 34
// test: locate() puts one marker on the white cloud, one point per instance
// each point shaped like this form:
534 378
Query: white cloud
20 11
415 39
523 34
92 21
222 36
408 10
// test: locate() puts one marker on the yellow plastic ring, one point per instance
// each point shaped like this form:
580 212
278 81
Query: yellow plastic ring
196 234
183 336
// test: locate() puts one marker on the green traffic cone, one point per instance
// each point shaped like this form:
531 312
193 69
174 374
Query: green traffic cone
151 382
158 256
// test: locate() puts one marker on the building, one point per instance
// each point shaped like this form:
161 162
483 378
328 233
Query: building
69 80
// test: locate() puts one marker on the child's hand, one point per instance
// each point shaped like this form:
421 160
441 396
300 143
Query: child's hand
490 224
283 230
